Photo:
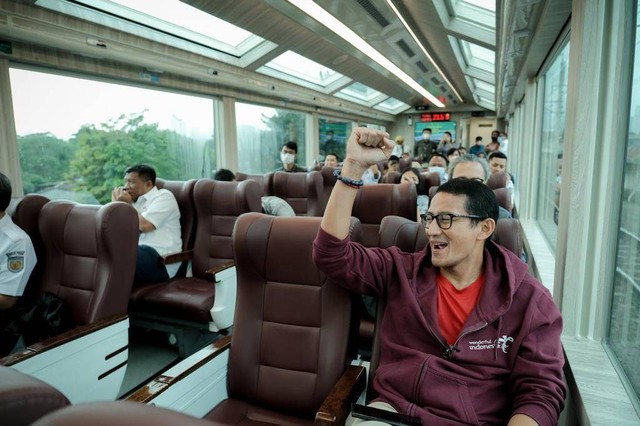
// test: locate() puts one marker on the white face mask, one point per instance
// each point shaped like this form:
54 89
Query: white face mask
426 136
287 158
439 170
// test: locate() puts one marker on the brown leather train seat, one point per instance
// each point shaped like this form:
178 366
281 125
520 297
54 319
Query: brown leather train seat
303 191
265 181
24 399
289 345
200 301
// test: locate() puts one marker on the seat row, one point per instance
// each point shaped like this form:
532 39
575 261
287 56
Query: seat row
287 361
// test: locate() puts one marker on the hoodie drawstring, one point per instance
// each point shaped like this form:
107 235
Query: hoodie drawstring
495 345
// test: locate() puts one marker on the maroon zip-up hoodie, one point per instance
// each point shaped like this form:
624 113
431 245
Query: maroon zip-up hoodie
507 359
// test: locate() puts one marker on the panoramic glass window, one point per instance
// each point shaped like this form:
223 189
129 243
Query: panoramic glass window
333 137
479 12
478 56
552 145
262 131
624 331
80 151
392 105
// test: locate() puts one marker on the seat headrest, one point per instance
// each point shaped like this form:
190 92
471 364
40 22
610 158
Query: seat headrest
24 399
498 180
508 234
408 235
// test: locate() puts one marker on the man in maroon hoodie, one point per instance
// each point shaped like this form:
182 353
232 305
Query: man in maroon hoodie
468 336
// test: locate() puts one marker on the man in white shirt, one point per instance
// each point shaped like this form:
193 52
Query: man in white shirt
17 256
159 226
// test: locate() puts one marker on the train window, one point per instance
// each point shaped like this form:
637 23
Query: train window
261 133
551 145
77 136
333 137
624 328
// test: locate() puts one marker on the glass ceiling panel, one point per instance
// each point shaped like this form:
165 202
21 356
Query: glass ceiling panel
489 5
479 84
159 19
360 92
188 17
299 67
392 105
474 52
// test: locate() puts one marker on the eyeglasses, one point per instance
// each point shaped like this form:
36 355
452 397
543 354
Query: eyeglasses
445 220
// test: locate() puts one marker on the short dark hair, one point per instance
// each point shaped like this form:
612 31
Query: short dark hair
393 158
334 154
437 154
144 171
225 175
448 133
291 145
452 150
478 138
497 154
5 192
481 201
426 129
330 132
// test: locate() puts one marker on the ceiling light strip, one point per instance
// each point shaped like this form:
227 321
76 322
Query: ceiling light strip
329 21
415 38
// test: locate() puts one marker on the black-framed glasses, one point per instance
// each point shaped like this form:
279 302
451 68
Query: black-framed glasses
445 220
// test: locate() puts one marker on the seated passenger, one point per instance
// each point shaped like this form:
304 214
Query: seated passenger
17 256
470 166
271 205
332 160
468 336
412 175
438 163
498 163
288 156
159 216
478 147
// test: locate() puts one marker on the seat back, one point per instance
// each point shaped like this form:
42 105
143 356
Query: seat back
391 177
374 202
504 198
498 180
218 205
303 192
24 399
26 215
183 192
265 181
289 343
328 182
90 256
430 179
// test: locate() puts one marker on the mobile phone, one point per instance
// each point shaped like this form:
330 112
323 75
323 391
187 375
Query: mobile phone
371 413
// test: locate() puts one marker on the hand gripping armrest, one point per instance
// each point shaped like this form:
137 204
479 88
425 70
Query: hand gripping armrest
337 405
176 257
211 273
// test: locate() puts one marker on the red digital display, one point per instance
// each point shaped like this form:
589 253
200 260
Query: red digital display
435 116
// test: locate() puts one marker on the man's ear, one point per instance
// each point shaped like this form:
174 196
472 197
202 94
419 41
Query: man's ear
487 227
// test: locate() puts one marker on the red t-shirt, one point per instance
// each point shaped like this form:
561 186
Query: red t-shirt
454 306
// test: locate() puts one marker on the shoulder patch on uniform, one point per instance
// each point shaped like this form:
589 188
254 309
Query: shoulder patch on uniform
15 261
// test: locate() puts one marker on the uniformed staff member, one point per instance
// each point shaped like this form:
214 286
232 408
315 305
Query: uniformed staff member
17 256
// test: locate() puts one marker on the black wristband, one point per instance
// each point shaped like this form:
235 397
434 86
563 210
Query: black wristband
356 184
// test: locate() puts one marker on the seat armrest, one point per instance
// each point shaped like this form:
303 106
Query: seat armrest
211 273
164 381
337 405
60 340
175 257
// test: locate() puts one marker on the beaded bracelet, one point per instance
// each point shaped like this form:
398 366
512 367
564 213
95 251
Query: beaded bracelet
355 184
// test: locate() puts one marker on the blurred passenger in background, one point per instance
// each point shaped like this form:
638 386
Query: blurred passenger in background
332 160
288 156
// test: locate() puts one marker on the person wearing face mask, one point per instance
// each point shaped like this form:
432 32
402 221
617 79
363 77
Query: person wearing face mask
424 147
504 142
288 157
439 163
494 145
